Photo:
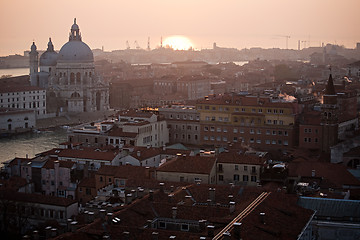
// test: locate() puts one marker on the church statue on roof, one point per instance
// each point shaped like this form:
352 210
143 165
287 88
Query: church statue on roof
69 76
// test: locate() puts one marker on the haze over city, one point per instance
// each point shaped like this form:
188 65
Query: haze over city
238 24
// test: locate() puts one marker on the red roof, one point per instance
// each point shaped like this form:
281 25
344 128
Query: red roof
334 175
189 164
88 182
88 154
35 198
63 164
125 171
284 219
118 132
236 158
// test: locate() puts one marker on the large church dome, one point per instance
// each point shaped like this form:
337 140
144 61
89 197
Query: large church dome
49 57
75 50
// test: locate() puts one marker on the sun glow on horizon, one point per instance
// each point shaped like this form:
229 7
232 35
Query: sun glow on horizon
178 42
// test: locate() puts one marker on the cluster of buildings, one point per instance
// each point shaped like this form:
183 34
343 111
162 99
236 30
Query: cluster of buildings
202 159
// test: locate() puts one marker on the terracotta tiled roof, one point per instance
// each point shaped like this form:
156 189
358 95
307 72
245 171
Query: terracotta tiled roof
284 219
18 88
125 171
35 198
88 154
145 153
236 158
189 164
16 160
63 164
335 175
118 132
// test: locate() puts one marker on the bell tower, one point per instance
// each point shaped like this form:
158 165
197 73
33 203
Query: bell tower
34 65
329 117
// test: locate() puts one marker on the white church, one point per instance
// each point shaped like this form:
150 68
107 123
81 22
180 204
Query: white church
69 76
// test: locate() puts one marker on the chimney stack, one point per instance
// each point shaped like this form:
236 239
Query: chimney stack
128 198
48 232
155 236
109 218
138 153
232 207
102 214
226 236
53 232
237 230
262 218
161 185
126 235
36 235
188 200
210 230
212 195
313 173
174 212
151 195
74 226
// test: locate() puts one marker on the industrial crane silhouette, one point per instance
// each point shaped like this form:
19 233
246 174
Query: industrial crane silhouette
287 40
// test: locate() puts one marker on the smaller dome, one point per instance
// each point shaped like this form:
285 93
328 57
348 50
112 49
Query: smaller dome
49 57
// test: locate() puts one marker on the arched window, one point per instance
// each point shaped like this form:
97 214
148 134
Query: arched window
9 120
78 78
26 118
72 78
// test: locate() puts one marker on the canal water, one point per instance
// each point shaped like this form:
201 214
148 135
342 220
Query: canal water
30 144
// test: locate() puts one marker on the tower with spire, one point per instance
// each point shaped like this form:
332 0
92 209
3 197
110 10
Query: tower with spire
329 117
34 64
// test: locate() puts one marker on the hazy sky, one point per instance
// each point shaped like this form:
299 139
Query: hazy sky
230 23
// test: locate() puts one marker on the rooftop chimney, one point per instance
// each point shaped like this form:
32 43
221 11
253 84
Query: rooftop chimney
226 236
174 212
188 200
53 232
102 214
262 217
128 198
109 217
126 235
73 226
154 236
138 153
161 185
212 195
237 230
151 195
149 223
210 230
313 173
232 207
36 235
148 146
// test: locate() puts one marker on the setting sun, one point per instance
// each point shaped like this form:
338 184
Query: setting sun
178 43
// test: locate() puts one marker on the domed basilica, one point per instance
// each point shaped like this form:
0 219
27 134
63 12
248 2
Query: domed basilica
69 76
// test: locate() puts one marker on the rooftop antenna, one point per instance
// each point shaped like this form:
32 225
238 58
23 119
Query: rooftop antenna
161 42
148 45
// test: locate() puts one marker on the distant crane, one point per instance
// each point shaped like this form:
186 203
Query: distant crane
148 44
137 45
127 44
287 40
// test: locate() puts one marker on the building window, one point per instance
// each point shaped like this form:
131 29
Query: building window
109 180
221 177
253 178
162 225
185 227
245 178
245 168
236 177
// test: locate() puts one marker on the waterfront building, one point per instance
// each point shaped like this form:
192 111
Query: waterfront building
16 93
261 122
69 76
16 120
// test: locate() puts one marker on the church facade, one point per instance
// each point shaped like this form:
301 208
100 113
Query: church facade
69 76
